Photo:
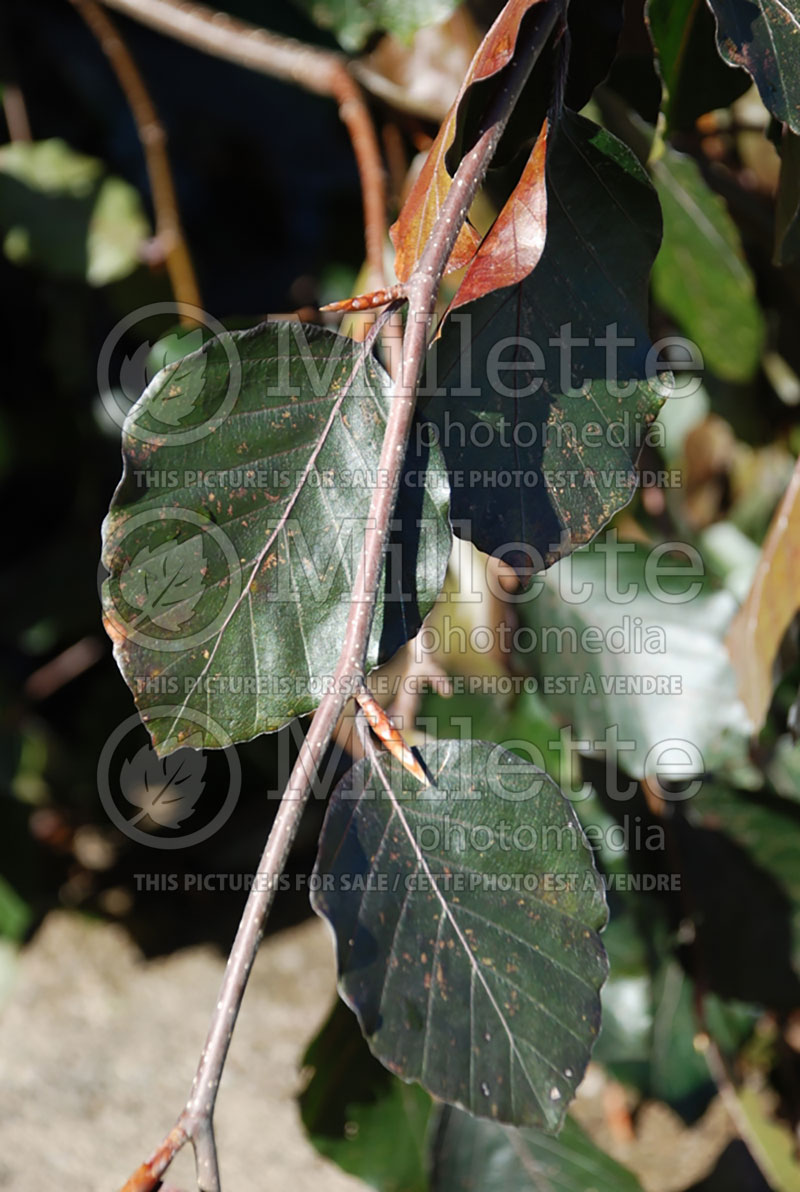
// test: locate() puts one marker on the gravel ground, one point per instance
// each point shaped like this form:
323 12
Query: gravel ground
98 1048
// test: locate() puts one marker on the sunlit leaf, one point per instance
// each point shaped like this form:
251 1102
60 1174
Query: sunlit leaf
513 246
60 212
763 36
633 639
466 917
354 21
771 605
233 539
421 209
700 276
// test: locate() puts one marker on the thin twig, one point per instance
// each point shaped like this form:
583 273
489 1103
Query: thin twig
195 1122
16 113
321 71
153 139
65 667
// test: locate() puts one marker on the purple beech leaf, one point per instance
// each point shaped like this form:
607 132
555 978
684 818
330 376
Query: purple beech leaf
254 523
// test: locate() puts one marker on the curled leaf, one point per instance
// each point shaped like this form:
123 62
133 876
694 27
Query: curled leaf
424 202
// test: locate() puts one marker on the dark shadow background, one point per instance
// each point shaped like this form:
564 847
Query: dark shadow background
271 207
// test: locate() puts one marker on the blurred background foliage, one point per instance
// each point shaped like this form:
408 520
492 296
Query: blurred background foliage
704 984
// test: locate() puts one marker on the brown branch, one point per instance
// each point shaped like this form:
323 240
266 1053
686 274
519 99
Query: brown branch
16 113
196 1121
153 139
321 71
65 667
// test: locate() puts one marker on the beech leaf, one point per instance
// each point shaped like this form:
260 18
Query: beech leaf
421 209
515 242
232 543
539 430
763 36
466 917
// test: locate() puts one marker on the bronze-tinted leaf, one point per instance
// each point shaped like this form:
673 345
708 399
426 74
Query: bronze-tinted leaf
424 202
513 246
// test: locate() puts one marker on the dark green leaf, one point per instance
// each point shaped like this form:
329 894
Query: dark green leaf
466 917
700 276
787 214
359 1115
470 1155
531 464
15 914
763 36
740 856
650 1018
233 539
354 21
594 27
695 79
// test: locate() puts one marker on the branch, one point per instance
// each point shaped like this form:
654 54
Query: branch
16 113
153 139
196 1121
321 71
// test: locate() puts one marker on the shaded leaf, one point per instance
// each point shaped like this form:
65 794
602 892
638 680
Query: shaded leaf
421 209
594 29
514 244
740 861
258 500
470 1155
538 432
735 1171
633 639
165 789
649 1010
360 1116
763 36
700 276
483 990
354 21
787 212
60 212
771 605
695 79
